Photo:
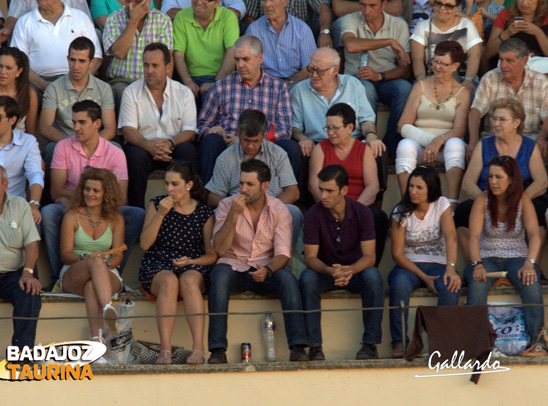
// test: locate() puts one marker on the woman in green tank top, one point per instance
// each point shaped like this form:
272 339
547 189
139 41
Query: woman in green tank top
93 225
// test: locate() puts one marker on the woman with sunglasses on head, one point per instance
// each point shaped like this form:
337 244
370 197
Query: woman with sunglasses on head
527 20
341 148
14 82
448 24
93 225
177 238
424 247
504 236
507 118
434 122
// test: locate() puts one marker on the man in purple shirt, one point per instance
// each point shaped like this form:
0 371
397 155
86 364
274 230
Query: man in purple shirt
247 88
339 252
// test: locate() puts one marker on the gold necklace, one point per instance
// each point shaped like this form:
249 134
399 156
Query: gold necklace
440 104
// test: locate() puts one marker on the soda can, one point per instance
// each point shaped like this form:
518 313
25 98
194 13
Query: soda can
246 353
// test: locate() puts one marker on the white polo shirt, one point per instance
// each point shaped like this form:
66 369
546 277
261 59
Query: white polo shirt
138 110
20 7
47 44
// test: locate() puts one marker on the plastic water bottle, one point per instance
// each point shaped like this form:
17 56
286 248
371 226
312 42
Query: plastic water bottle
269 329
364 59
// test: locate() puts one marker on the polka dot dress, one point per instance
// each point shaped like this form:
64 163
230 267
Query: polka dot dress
179 235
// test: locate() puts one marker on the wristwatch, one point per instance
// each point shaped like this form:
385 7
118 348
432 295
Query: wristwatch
383 76
532 260
35 202
475 263
268 271
172 144
325 31
29 270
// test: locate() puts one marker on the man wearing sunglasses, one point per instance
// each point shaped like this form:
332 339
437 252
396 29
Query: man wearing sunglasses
386 40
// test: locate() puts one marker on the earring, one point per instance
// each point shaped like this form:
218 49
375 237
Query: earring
189 188
456 13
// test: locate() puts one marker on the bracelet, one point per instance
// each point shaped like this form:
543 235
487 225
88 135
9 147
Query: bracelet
81 257
419 74
172 144
501 40
451 263
468 78
108 263
370 132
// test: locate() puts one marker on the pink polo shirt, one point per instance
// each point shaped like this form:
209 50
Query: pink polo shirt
69 155
249 247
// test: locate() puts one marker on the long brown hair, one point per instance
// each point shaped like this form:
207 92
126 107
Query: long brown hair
513 194
112 197
538 17
22 81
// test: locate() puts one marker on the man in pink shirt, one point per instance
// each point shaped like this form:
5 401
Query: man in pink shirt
254 260
72 156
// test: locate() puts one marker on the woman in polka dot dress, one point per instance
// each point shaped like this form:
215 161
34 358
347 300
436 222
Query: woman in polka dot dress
177 238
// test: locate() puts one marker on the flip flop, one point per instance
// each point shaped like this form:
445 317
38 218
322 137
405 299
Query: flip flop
191 360
163 358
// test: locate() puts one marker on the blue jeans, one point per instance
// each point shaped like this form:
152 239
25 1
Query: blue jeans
200 80
213 145
24 305
393 93
368 283
402 282
52 217
224 281
530 294
298 219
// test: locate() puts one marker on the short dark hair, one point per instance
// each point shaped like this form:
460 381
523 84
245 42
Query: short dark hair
90 107
336 173
453 48
252 123
259 167
11 108
158 46
343 111
516 45
83 44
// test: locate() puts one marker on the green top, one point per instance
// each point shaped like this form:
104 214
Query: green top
204 49
510 3
84 244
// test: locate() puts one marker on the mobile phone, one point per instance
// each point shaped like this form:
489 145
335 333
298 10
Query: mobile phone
518 19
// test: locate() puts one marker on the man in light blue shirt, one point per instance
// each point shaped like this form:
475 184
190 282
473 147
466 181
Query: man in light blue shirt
311 98
20 156
287 41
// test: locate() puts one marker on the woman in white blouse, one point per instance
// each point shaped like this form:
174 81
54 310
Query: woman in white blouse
424 247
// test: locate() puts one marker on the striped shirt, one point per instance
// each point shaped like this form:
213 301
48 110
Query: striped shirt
156 28
287 53
302 9
230 96
250 247
532 93
226 175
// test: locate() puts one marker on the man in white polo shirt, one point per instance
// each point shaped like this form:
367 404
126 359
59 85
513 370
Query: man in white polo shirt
45 34
158 121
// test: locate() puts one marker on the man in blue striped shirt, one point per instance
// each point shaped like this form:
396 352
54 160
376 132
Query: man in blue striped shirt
288 42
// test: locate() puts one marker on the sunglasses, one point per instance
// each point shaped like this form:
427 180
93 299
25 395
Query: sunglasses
499 159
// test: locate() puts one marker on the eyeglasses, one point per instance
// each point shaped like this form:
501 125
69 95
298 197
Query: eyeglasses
435 62
446 6
499 159
333 129
318 71
502 120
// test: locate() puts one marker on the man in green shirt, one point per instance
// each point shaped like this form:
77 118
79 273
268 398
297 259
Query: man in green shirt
203 36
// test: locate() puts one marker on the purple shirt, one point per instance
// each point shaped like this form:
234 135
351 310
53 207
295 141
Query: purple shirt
230 96
321 228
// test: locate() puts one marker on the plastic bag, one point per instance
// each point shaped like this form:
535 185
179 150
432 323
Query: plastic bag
119 346
509 324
